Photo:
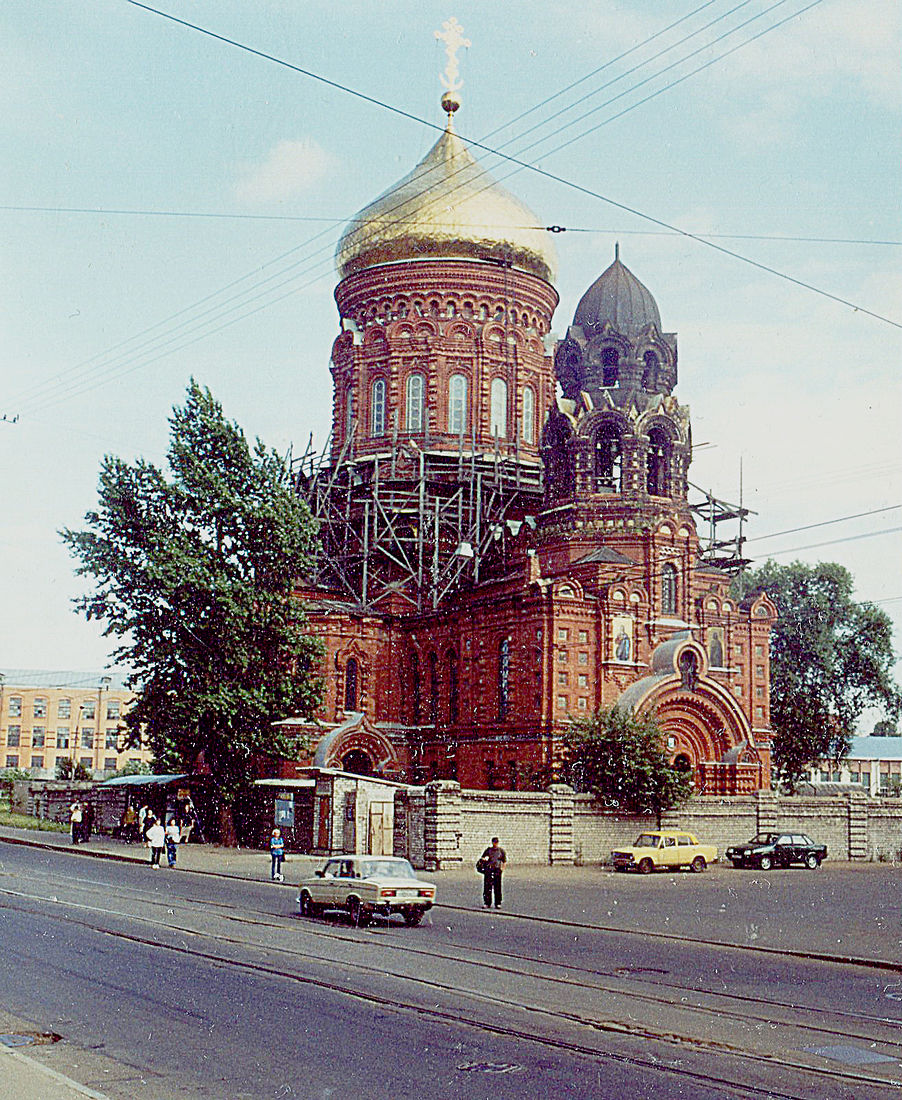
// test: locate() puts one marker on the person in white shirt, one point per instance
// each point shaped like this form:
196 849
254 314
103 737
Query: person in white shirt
156 839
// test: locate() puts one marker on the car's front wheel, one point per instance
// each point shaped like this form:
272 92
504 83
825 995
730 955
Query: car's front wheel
699 864
307 905
646 866
765 863
812 862
413 914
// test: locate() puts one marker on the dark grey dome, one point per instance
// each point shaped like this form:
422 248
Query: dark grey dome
618 296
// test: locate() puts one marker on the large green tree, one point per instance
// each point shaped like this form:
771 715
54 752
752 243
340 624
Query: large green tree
193 575
620 758
830 659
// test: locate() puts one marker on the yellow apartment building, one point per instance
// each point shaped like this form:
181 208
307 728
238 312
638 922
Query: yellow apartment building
46 717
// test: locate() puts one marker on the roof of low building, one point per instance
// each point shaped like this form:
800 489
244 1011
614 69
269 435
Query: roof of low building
604 554
875 748
44 678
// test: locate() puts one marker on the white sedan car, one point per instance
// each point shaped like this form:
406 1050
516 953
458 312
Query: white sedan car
364 885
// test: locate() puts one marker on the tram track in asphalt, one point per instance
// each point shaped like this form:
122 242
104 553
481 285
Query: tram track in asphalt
553 1015
889 965
400 941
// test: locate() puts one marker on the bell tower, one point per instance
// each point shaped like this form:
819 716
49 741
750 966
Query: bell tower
618 441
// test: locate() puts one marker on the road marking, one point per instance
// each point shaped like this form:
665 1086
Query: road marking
59 1078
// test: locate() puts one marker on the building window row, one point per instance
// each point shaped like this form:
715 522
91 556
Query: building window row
415 407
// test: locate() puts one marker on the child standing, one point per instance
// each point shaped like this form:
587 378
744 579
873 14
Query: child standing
172 839
277 851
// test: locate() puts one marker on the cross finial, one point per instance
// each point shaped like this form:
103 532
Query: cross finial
452 34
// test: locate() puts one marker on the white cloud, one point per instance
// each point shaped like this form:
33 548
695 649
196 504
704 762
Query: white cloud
290 169
840 43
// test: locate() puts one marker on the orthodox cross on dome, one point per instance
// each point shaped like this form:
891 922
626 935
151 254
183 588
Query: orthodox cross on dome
453 37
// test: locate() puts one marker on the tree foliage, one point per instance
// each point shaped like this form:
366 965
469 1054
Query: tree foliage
69 769
193 575
620 759
8 776
830 659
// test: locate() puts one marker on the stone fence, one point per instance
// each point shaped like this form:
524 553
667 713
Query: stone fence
441 826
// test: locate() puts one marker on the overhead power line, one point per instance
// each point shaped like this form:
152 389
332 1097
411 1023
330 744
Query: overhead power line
835 542
544 172
108 368
609 231
100 371
825 523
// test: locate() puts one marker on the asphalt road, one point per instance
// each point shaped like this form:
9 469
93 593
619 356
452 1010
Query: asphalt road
181 985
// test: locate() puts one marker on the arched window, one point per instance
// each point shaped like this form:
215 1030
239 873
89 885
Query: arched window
351 684
433 689
608 458
650 375
610 366
504 671
669 589
453 688
499 408
657 465
457 404
529 415
415 387
377 407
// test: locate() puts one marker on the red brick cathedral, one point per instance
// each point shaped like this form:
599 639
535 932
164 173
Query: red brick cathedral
507 540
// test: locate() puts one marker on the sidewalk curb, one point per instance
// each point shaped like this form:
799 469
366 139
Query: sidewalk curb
121 857
74 850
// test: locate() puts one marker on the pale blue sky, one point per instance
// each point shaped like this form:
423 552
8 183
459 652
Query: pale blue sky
106 106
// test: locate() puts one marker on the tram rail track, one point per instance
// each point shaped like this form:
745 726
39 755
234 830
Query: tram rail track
553 1016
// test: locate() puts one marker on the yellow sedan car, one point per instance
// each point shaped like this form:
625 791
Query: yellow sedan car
664 849
363 886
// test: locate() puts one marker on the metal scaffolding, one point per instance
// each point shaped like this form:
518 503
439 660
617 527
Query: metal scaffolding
413 525
726 553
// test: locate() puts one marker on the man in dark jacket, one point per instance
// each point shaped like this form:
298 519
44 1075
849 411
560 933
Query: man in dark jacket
493 860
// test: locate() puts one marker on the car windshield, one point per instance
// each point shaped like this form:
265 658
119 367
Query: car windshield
386 868
647 840
765 838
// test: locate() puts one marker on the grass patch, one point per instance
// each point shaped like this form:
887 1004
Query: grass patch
23 821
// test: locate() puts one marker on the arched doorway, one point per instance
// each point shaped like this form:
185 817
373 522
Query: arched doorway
358 762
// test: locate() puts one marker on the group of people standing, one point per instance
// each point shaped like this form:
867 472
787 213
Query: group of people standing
81 821
159 837
145 826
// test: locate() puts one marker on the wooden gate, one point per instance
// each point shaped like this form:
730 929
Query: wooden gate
381 841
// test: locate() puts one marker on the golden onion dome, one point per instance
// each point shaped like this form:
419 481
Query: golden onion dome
448 206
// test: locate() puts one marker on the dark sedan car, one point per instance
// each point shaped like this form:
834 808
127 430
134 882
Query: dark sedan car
768 850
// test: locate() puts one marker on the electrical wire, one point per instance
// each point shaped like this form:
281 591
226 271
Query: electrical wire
111 368
610 231
671 229
825 523
835 542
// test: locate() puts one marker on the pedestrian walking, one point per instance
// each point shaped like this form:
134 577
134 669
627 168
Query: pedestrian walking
129 824
156 841
172 841
277 852
143 815
188 821
490 866
87 821
76 815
